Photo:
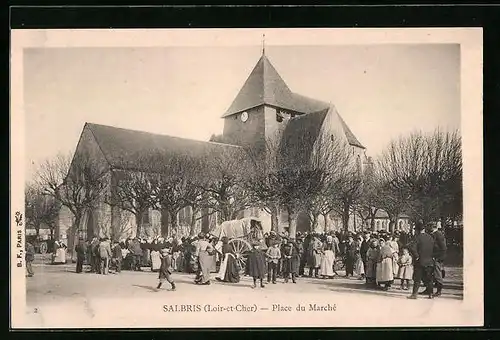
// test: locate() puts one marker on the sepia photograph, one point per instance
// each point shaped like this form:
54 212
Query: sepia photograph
246 178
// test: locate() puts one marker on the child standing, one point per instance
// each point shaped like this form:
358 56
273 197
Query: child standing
273 256
405 272
166 268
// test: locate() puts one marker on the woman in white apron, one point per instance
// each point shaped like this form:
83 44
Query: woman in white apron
327 259
155 257
60 253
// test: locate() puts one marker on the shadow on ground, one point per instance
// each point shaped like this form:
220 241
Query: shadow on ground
360 288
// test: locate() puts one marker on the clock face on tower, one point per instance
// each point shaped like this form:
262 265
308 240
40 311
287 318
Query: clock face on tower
244 116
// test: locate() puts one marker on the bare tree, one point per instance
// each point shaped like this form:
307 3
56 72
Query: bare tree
223 186
78 183
40 209
133 186
176 186
371 200
331 157
425 170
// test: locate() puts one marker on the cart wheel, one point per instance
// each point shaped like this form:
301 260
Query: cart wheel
43 248
240 248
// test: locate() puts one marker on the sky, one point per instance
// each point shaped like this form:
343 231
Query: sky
381 91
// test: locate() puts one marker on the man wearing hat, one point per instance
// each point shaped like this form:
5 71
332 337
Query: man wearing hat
438 254
422 250
81 250
256 264
291 261
165 268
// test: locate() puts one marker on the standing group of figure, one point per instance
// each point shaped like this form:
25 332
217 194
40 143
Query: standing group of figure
379 258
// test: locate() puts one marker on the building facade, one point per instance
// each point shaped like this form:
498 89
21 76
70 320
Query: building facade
264 109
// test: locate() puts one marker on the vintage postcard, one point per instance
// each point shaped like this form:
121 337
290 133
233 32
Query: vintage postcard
246 178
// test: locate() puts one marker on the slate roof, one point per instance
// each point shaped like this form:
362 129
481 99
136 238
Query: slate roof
351 138
124 148
265 86
300 134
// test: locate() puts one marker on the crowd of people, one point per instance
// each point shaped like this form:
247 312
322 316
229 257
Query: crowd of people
378 258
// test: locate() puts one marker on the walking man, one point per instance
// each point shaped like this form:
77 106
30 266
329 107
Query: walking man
422 249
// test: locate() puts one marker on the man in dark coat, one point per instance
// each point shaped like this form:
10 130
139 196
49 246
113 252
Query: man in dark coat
29 257
422 249
439 254
136 252
81 250
303 257
116 252
365 245
256 265
291 261
350 256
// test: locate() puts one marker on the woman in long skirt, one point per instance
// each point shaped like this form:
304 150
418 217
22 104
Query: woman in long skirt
155 260
385 275
395 255
229 270
359 267
204 251
327 259
371 263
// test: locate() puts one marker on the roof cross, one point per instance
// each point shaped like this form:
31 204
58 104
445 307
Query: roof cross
263 44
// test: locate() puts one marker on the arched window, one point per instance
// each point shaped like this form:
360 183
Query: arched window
400 224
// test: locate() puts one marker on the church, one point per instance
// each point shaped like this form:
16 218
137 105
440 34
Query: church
264 107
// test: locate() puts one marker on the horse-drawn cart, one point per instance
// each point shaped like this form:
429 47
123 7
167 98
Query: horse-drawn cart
241 234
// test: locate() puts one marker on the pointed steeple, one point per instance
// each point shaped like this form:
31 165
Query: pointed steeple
263 86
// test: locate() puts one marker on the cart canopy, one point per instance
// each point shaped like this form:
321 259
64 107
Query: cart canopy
242 228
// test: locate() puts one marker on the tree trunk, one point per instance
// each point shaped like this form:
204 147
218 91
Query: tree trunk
326 218
37 230
192 226
174 225
314 223
392 223
292 224
138 223
73 234
345 216
274 218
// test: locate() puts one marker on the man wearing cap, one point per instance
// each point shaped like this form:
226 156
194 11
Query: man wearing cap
422 249
165 268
